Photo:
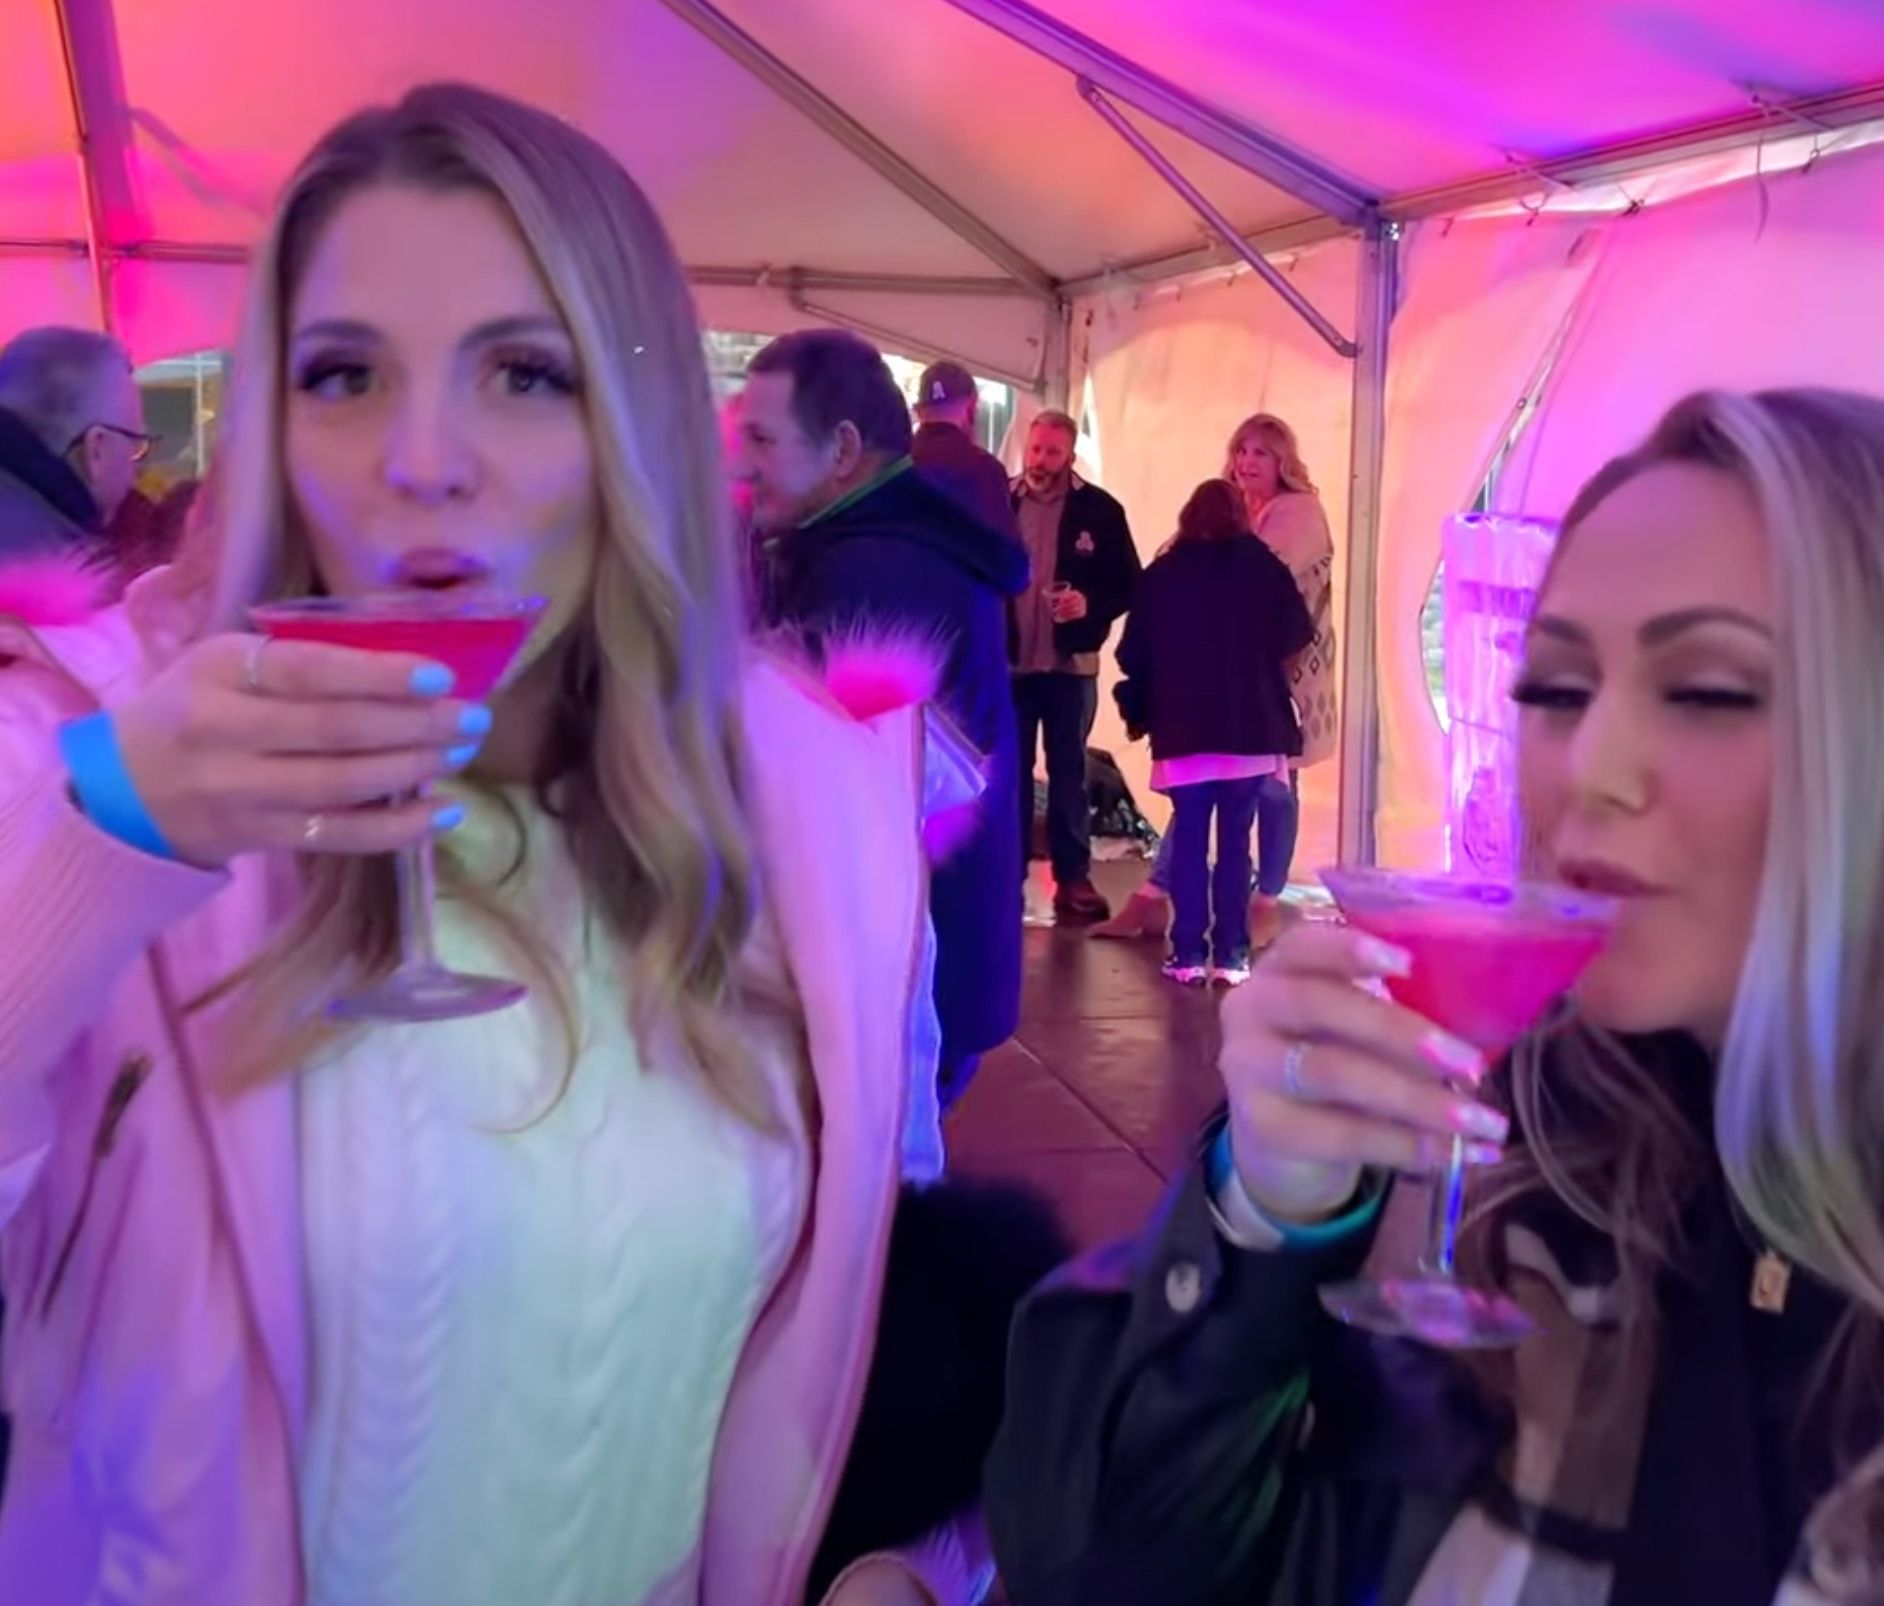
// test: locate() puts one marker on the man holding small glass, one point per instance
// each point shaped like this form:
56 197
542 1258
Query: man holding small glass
1084 570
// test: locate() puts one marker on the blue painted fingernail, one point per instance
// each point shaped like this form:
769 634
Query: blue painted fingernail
475 721
431 680
458 757
449 818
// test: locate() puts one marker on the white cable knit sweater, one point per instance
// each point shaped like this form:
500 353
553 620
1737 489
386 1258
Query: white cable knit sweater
523 1339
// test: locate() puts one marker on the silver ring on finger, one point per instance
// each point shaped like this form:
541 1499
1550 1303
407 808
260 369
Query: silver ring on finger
252 668
1292 1062
311 830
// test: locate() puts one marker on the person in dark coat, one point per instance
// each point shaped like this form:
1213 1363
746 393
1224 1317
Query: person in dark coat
947 400
1084 568
71 437
870 543
1204 656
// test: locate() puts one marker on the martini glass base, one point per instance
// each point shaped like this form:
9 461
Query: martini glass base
426 994
1434 1310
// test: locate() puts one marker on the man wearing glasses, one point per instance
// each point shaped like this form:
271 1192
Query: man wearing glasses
71 437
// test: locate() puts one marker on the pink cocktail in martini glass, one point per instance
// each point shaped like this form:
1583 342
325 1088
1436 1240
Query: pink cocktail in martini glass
1488 958
476 634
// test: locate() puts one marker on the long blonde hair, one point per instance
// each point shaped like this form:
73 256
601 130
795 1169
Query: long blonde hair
645 754
1292 472
1799 1087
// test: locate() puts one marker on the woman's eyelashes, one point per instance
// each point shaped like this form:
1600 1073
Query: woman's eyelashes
333 375
533 372
345 376
1694 697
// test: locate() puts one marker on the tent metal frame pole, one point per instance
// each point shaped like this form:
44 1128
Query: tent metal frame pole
1360 658
797 92
1270 159
84 126
1598 165
911 345
1220 225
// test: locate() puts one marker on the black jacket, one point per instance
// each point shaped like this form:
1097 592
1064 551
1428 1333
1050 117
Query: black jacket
1204 649
904 554
1096 558
1185 1424
45 506
960 469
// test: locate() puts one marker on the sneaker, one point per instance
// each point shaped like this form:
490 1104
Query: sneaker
1080 903
1186 975
1234 974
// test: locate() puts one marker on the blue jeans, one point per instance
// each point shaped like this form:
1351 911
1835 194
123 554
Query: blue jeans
1197 891
1057 709
1278 819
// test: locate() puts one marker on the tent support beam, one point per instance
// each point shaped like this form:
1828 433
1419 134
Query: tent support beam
87 50
1219 225
781 279
861 143
1600 165
910 345
1360 656
1269 158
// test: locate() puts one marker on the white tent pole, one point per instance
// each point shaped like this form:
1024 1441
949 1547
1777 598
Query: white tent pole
85 43
1056 369
1360 658
1220 225
857 139
1249 148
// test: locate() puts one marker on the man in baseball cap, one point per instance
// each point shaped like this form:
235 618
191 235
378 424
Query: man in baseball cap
945 450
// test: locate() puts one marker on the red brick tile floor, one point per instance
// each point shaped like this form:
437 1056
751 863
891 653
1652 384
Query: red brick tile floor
1099 1095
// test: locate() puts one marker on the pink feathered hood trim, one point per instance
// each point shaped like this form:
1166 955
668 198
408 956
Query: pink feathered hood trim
44 593
873 672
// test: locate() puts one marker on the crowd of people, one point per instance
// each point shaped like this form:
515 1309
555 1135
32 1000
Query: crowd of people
657 1289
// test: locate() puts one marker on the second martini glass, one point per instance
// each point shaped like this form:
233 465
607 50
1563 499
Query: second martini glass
476 634
1488 958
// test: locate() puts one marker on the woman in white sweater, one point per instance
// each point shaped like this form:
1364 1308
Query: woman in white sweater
573 1303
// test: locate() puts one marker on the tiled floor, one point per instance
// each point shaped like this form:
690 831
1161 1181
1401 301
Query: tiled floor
1100 1093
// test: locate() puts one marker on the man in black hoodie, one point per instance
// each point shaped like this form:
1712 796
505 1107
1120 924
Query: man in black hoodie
867 542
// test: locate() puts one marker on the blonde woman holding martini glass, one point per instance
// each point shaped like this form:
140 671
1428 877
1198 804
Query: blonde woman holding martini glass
1677 1176
571 1302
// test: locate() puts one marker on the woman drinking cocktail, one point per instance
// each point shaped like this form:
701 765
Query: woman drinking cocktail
573 1301
1678 1179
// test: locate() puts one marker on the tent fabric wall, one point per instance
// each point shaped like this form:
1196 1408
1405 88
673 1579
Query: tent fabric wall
1750 285
1172 374
1483 301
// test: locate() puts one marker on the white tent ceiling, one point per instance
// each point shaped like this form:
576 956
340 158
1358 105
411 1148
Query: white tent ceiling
193 110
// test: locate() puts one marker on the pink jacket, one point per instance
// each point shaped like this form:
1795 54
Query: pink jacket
150 1238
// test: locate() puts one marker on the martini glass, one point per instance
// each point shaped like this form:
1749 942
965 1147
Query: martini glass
476 635
1488 958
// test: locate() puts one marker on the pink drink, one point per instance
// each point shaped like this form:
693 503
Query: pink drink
476 648
1484 975
1487 959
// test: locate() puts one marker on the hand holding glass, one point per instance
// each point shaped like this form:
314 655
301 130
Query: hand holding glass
476 634
1488 958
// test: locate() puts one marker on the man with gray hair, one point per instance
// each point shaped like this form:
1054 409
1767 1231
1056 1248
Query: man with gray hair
71 437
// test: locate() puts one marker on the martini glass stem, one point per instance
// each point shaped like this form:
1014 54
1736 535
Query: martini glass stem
418 879
1442 1222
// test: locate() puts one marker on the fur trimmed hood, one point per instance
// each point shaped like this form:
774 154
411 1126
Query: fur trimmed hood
43 593
874 672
